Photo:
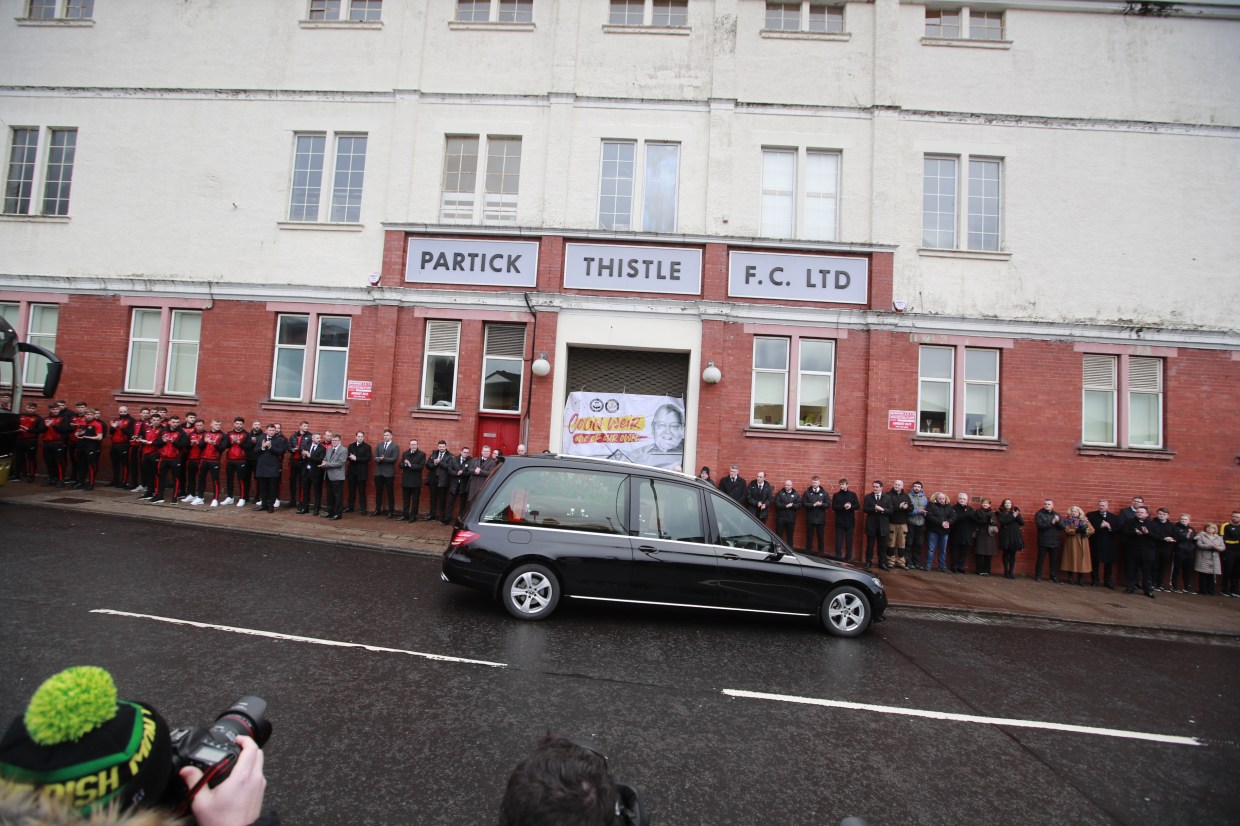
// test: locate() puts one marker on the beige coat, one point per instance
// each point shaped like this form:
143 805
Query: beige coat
1076 557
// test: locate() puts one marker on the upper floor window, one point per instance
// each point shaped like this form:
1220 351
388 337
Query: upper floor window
495 11
964 24
814 383
23 180
1122 403
60 9
443 346
470 198
326 352
309 160
805 16
355 11
941 213
503 367
664 13
937 412
44 319
171 337
811 179
622 185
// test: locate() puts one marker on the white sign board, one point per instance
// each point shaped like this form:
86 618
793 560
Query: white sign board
666 270
644 430
798 277
460 261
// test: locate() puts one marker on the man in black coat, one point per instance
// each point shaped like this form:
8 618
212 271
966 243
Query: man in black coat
845 504
1139 545
734 484
268 466
758 496
787 503
412 461
815 502
358 472
438 479
308 462
1047 521
1103 549
386 454
901 509
877 506
460 468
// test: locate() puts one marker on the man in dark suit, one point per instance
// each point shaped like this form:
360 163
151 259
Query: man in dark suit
311 485
1102 544
815 503
1139 545
385 455
734 484
787 503
845 504
758 496
358 472
298 443
460 468
412 461
877 506
437 479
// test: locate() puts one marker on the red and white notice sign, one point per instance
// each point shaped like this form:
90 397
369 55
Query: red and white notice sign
359 390
902 420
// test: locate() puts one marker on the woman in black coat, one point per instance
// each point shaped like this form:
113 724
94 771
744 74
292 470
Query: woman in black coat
1011 539
962 533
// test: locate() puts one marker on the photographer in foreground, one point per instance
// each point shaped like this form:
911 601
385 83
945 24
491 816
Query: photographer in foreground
565 782
79 751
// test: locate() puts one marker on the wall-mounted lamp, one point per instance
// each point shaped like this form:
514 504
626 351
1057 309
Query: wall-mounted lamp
711 374
541 366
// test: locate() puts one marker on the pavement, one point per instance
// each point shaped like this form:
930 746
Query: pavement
911 593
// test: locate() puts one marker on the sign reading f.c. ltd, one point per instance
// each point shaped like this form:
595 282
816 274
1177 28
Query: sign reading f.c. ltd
798 277
458 261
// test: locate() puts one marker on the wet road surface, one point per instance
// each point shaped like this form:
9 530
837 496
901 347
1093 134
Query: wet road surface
386 735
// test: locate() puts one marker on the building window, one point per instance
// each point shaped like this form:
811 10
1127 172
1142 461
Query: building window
663 13
805 16
1108 379
941 213
819 190
146 331
936 397
655 186
814 386
9 312
359 11
503 368
499 11
469 198
44 319
330 357
309 159
60 9
21 179
964 24
443 345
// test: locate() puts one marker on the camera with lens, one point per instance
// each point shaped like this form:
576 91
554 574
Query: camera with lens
214 751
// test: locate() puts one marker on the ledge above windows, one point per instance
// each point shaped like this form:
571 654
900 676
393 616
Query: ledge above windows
977 255
777 34
306 408
429 413
798 435
132 398
614 28
966 43
36 219
318 225
1155 454
489 26
959 444
341 24
56 22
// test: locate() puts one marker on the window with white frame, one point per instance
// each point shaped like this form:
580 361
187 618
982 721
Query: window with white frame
328 351
22 179
805 16
60 9
146 332
814 174
813 383
44 318
9 312
443 346
941 213
1109 380
352 11
964 24
503 367
655 185
470 198
309 161
494 11
663 13
938 369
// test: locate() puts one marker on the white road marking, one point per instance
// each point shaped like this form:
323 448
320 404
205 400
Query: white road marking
967 718
293 638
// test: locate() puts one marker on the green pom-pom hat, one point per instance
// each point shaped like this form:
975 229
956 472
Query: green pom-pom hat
70 704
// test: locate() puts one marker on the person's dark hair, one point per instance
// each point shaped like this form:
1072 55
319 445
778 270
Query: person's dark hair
559 784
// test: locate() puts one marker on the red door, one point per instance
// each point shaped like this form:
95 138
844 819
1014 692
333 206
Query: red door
501 432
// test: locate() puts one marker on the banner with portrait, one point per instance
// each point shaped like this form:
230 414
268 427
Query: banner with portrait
644 430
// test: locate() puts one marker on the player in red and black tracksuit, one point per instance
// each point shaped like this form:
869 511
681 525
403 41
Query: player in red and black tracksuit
77 421
193 460
299 441
189 426
149 463
56 428
121 430
236 453
30 427
90 445
173 443
212 451
133 473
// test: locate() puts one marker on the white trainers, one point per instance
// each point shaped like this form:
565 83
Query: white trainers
227 501
215 503
275 504
189 497
139 490
241 503
197 500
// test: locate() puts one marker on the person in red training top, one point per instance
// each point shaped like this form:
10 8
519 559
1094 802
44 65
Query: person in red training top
189 425
77 420
150 456
30 427
173 443
121 429
193 460
237 445
56 427
211 452
134 476
90 445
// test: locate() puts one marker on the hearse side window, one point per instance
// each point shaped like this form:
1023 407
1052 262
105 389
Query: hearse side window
577 500
669 511
737 528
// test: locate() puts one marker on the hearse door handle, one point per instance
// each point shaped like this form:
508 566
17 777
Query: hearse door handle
648 549
730 556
